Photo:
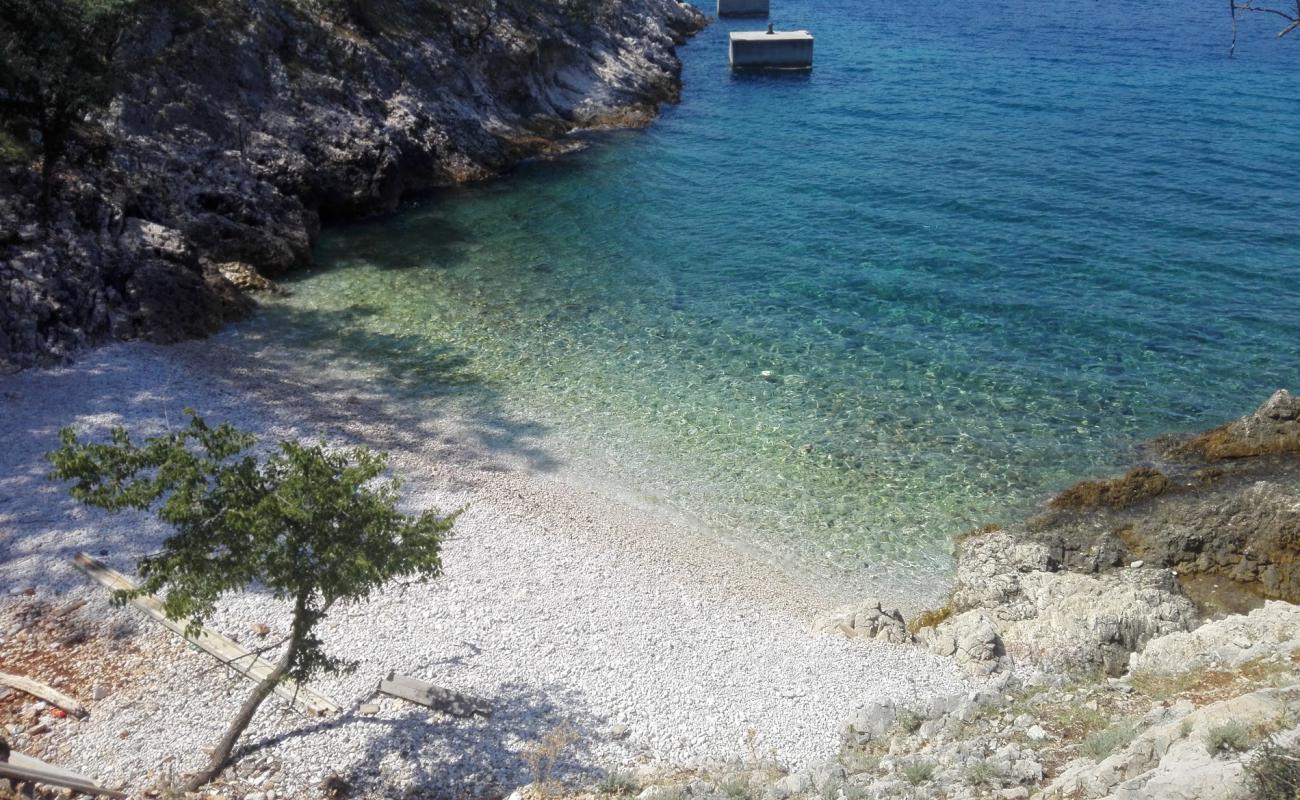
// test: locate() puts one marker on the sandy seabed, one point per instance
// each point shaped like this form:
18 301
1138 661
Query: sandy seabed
567 607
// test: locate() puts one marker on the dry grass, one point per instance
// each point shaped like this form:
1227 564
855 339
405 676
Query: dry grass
543 755
1210 686
1139 484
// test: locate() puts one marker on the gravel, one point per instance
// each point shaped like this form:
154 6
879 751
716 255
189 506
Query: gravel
650 640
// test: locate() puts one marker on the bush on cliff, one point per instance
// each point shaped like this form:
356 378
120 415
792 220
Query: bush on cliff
55 67
308 525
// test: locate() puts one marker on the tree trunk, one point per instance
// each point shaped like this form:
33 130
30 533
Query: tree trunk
221 755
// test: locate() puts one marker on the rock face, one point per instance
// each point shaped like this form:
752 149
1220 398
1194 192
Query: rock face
242 125
1227 518
1274 428
1116 563
1225 644
1172 760
1013 601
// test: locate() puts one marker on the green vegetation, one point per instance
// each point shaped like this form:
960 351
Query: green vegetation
856 761
1273 773
306 524
983 773
737 788
909 721
1229 737
1102 743
618 783
918 772
55 68
12 149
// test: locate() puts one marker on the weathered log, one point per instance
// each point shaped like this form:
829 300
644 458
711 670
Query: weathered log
426 694
47 693
242 661
31 770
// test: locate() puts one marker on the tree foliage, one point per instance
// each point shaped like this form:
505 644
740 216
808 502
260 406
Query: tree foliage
308 524
56 66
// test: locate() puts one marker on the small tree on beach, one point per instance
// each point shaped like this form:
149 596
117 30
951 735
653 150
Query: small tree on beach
310 525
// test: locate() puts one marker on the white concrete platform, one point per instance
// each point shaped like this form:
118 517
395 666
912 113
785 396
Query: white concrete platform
742 8
780 49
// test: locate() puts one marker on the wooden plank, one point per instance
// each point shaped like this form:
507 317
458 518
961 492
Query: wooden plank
47 693
31 770
435 697
248 664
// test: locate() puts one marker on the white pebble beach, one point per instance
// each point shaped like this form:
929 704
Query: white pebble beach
654 643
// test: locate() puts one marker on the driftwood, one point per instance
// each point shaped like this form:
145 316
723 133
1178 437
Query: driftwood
47 693
242 661
31 770
435 697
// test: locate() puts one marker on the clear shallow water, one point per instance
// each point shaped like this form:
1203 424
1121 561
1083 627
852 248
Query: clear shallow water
981 249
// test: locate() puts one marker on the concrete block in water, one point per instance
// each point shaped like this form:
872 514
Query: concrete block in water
781 49
742 8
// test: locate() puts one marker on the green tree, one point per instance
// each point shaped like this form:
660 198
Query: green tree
310 525
56 66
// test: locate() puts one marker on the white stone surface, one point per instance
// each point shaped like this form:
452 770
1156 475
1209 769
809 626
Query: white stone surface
560 605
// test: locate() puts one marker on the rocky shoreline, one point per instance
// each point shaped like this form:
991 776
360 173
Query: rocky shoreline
1139 639
1063 666
241 126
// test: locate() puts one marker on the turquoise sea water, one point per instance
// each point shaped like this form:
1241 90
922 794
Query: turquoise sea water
973 256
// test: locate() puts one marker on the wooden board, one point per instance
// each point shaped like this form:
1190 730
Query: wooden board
31 770
47 693
248 664
435 697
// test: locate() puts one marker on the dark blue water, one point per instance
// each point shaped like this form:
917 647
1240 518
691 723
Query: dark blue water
973 256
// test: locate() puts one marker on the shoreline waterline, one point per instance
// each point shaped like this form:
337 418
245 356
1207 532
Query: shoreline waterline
564 605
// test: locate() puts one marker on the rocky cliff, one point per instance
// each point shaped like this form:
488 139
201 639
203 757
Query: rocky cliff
240 126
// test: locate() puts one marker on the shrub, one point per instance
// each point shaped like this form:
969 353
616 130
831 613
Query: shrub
736 788
1101 744
909 721
543 755
1230 737
618 783
56 59
918 772
983 773
1273 773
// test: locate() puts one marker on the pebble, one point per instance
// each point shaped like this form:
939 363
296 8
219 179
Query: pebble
697 671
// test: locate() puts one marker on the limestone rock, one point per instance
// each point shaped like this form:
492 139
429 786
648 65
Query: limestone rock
871 722
1014 604
1273 428
1170 760
1226 643
866 620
